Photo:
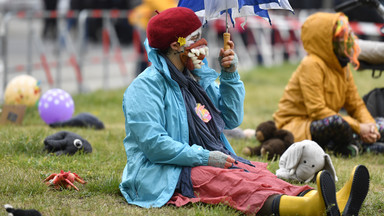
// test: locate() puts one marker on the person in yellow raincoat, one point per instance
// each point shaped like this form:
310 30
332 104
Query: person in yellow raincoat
322 85
139 18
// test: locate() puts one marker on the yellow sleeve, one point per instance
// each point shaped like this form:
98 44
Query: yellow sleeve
141 14
160 5
355 106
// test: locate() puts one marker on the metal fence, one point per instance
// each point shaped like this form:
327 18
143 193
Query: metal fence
74 64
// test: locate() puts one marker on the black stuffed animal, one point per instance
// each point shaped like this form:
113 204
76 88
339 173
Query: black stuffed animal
273 141
81 120
64 142
20 212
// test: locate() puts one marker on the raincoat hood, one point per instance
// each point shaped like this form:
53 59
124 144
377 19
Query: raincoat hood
317 35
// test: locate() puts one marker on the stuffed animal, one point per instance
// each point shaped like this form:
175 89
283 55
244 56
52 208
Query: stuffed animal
302 160
273 141
64 142
85 120
238 133
21 212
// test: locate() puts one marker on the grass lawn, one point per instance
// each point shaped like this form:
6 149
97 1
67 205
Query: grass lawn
24 165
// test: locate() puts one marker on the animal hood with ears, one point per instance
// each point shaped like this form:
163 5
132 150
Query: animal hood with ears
302 160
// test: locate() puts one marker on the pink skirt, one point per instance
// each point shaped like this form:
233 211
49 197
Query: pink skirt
243 190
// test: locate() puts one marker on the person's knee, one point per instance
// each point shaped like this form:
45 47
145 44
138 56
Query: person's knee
338 122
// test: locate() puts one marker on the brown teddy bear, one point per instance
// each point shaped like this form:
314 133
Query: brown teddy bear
273 141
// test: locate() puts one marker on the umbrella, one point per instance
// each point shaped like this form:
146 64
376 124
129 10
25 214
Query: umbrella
208 10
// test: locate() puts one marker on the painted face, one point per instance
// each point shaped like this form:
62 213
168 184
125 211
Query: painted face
195 50
193 37
343 46
344 41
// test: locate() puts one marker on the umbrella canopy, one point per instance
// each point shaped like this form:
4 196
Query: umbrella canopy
208 10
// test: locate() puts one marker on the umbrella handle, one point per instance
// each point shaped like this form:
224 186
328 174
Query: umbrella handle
227 37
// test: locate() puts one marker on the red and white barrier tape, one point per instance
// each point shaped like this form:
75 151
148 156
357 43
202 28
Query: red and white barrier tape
117 58
292 23
278 23
72 14
365 28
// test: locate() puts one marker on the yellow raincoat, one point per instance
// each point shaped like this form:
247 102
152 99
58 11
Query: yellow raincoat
141 14
320 86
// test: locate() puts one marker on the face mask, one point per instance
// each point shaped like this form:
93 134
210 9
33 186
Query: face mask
343 47
193 56
344 42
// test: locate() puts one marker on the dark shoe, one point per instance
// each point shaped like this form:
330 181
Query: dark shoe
350 150
377 147
353 150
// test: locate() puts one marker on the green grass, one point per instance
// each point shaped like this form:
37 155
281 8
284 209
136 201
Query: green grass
24 165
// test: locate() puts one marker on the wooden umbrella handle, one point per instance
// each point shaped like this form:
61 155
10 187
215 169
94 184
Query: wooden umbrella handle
227 37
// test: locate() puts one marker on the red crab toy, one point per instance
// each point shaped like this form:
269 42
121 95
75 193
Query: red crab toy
63 179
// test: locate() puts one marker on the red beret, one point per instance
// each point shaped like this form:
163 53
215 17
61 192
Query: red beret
167 26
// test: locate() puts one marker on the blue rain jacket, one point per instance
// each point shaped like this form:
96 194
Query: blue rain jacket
156 127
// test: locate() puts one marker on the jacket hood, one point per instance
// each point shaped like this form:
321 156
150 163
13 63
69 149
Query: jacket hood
317 34
157 60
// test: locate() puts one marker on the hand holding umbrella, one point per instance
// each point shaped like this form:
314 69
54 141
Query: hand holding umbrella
228 58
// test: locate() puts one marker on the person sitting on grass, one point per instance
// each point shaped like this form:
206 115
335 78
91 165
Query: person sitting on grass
323 85
175 114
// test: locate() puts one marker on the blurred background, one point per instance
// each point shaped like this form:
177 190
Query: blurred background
85 45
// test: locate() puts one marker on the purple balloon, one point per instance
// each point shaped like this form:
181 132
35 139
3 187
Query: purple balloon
56 105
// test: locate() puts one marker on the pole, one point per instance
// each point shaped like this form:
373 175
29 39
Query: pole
29 44
4 47
226 35
106 50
